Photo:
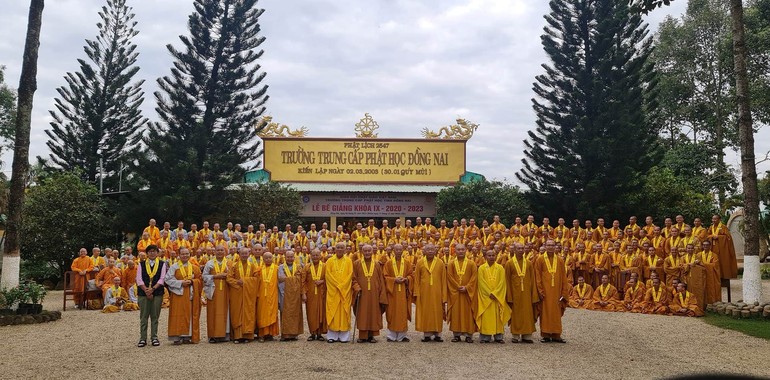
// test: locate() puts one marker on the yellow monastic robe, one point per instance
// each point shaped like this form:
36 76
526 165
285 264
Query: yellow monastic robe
339 294
492 314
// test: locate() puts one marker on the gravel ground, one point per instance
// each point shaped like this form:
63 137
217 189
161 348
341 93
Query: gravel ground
610 345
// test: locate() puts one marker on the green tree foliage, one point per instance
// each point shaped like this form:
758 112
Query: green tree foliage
97 113
593 142
666 195
694 59
61 215
270 203
7 112
209 109
481 200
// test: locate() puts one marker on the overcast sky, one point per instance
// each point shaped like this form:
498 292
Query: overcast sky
409 63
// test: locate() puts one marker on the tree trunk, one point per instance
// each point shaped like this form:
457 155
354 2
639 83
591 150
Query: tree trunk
20 166
752 285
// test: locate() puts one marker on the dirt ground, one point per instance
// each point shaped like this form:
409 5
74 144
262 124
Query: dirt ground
88 344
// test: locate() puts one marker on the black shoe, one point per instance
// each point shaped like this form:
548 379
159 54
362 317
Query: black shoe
528 341
455 339
212 340
559 340
320 337
361 340
390 340
331 341
155 342
438 339
372 340
311 338
141 343
499 341
483 341
426 339
545 340
514 340
468 339
406 339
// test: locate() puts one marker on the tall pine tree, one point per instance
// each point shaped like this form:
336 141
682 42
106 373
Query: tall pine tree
594 140
97 114
209 109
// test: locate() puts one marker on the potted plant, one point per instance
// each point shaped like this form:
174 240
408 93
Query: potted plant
6 301
22 296
36 294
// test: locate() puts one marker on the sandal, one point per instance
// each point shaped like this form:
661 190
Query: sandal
559 340
426 339
311 338
372 340
141 343
236 341
468 340
405 339
499 341
360 340
438 339
155 342
212 340
514 340
545 340
455 339
528 341
331 341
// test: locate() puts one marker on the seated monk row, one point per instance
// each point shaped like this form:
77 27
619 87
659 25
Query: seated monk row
653 299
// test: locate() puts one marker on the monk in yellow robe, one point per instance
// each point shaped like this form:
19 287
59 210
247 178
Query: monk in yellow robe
184 283
82 266
430 292
339 294
371 295
722 244
685 303
601 264
290 297
144 242
710 262
216 291
398 283
673 266
267 299
128 275
581 296
243 284
461 287
606 297
553 291
656 299
152 231
105 276
695 275
633 298
116 298
521 295
652 263
314 296
493 312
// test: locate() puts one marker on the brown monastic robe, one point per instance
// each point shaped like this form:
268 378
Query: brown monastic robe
292 323
521 294
243 300
553 290
399 295
373 297
315 307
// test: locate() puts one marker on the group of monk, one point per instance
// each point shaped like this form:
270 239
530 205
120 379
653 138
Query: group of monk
254 283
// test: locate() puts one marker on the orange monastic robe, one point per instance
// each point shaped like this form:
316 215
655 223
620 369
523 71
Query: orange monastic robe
713 278
633 300
430 292
656 301
606 293
243 299
580 297
722 242
461 311
521 294
553 290
267 301
81 263
687 303
105 276
399 311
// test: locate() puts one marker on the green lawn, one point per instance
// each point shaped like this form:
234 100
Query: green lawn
753 327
